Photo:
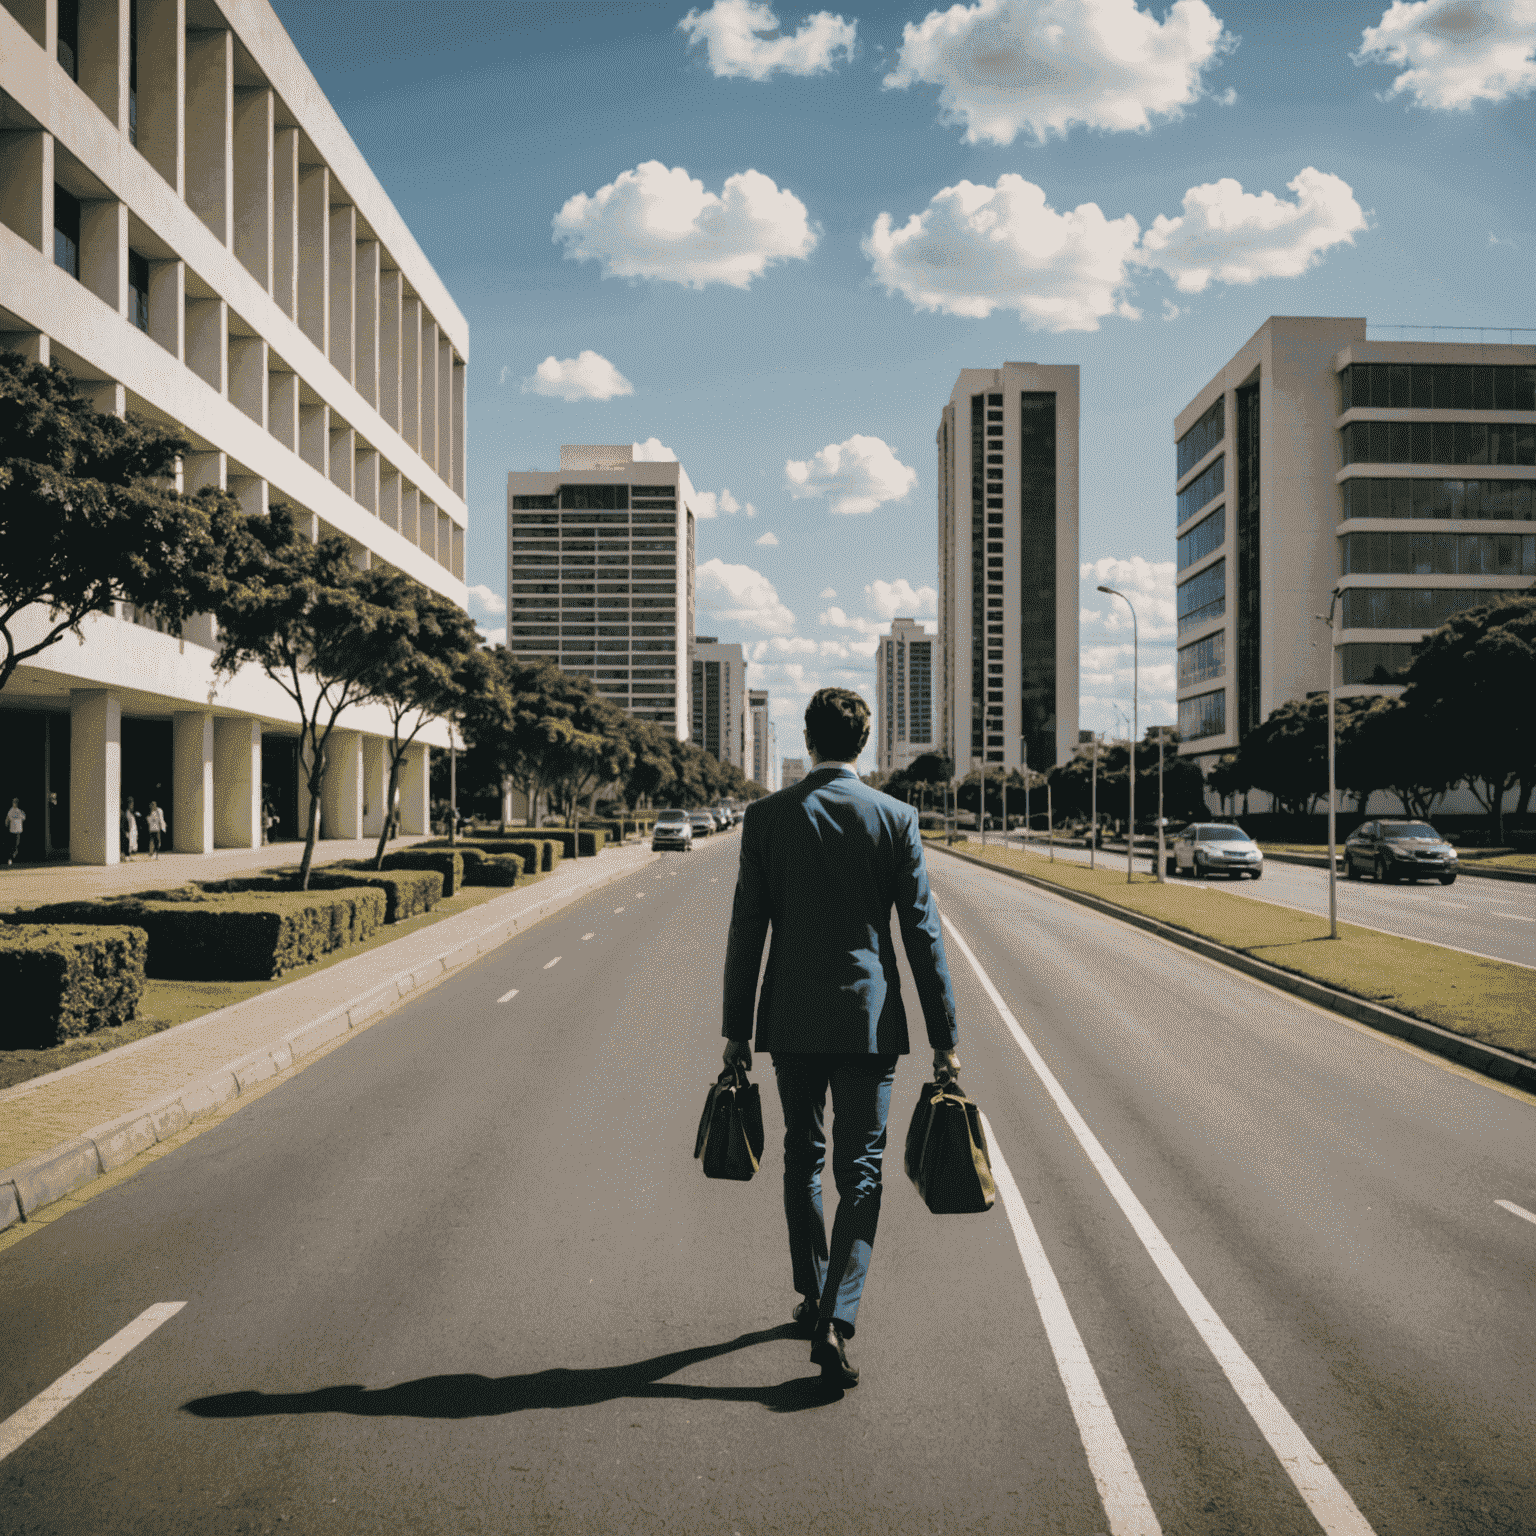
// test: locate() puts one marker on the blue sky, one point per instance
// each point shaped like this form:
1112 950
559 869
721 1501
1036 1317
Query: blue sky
1085 177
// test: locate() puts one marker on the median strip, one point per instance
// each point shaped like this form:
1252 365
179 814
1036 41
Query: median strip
1479 1011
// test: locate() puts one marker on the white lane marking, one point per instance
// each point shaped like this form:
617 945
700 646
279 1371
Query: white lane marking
617 910
587 936
639 895
1109 1458
1323 1493
1517 1210
506 997
550 965
51 1401
1519 917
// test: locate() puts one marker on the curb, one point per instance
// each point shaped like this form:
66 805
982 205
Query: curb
1487 1059
40 1180
1320 861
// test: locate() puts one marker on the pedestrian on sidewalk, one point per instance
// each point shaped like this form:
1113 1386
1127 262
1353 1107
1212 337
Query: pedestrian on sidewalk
154 824
130 830
823 862
15 820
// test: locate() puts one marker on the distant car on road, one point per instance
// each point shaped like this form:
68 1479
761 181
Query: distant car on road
703 823
725 816
673 829
1399 850
1215 847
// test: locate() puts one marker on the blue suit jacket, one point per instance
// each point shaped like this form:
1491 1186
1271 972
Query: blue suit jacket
823 862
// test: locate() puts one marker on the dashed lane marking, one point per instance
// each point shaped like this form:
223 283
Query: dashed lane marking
1109 1458
52 1401
587 936
1519 917
617 910
506 997
1517 1210
551 964
1322 1492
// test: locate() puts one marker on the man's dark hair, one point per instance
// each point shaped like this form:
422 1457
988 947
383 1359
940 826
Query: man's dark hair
837 721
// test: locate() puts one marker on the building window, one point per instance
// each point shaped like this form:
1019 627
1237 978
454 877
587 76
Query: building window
69 38
1438 554
1437 387
133 71
1037 577
1203 715
1201 438
978 566
1473 500
1438 442
1248 592
1374 661
534 503
1203 597
1412 607
66 230
594 498
1205 659
1210 533
1207 487
138 290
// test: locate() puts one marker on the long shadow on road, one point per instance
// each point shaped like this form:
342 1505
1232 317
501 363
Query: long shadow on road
468 1396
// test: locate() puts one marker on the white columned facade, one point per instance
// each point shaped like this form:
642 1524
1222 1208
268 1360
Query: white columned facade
341 806
192 820
95 775
237 783
416 790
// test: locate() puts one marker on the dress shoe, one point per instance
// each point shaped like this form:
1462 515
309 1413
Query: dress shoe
830 1352
804 1317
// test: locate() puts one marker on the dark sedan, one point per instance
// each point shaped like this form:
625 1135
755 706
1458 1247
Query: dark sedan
1399 850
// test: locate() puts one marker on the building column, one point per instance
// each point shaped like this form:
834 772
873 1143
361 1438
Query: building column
391 294
95 775
410 355
343 339
192 782
210 114
416 789
366 304
237 783
285 221
162 81
254 167
375 784
341 805
314 240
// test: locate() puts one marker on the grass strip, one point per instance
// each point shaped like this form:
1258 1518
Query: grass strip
1489 1001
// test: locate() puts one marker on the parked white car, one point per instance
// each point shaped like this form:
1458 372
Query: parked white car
1215 847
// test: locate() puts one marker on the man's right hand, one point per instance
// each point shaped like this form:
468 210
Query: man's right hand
946 1066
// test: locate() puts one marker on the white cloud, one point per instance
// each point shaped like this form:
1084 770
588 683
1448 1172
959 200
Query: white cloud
858 475
768 541
1242 237
484 603
826 592
868 628
505 370
707 504
1147 584
744 40
1453 53
588 376
1171 311
652 451
657 223
736 594
1004 67
975 249
892 598
492 636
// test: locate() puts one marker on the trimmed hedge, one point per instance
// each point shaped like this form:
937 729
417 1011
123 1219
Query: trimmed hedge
449 864
540 854
592 842
481 868
406 892
62 982
250 935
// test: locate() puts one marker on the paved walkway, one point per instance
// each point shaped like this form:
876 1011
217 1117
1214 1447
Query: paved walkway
37 1116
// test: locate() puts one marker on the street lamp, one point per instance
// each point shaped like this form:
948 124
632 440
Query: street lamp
1130 841
1093 825
1162 862
1333 666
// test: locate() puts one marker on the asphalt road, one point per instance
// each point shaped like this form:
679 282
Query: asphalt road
462 1273
1496 918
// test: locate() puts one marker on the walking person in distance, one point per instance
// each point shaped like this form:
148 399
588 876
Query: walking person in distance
154 825
15 822
824 862
130 829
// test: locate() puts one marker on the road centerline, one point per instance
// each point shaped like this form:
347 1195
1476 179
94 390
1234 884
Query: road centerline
1517 1210
506 997
52 1401
1322 1492
549 965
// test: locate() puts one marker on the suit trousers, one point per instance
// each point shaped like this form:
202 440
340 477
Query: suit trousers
861 1104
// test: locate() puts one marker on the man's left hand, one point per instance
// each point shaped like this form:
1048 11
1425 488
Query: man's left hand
738 1053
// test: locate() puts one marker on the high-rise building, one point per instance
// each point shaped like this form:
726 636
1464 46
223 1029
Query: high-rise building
1403 473
764 758
793 770
720 699
187 228
600 576
904 713
1007 663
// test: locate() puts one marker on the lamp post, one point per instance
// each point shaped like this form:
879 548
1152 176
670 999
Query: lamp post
1093 823
1162 864
1333 666
1024 758
1130 841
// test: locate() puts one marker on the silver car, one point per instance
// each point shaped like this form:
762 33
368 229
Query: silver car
1213 847
703 823
673 829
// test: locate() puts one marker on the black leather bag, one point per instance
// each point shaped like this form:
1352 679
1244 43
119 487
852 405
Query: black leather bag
730 1139
946 1153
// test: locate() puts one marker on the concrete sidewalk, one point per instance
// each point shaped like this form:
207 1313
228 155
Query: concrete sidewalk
63 1130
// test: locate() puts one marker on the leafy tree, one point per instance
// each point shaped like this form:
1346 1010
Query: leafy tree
1470 686
1287 755
299 611
427 660
1229 778
650 766
89 515
1384 747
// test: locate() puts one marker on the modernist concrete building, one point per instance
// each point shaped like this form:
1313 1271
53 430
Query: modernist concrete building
600 576
719 696
904 713
764 756
186 226
1402 472
1007 663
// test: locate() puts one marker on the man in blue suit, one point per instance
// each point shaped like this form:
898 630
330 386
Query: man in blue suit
823 862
